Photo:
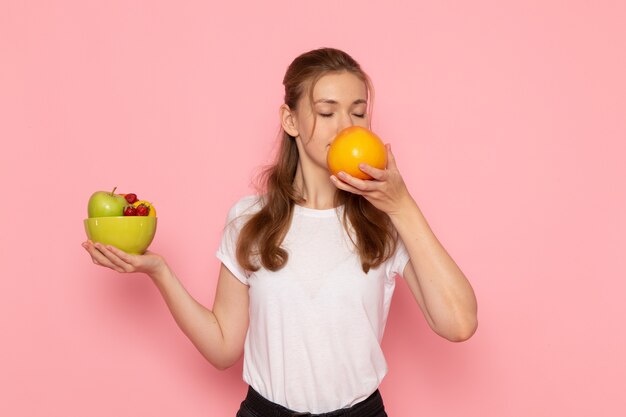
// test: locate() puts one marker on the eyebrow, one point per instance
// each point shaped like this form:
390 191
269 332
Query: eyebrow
330 101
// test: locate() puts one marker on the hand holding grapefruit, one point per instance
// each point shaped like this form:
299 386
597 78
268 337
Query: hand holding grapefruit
355 145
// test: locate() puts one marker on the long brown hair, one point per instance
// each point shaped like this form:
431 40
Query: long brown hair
262 235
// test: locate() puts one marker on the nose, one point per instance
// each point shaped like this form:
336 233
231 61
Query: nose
344 122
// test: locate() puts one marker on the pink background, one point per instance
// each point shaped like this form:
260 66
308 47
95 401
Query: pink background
507 121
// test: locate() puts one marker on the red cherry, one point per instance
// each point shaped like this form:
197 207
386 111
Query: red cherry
143 210
130 211
131 198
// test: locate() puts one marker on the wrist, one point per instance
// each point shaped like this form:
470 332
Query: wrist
159 271
405 207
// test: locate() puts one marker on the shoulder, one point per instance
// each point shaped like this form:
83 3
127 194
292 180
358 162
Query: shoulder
245 206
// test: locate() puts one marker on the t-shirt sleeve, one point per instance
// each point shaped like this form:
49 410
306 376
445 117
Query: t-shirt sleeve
227 250
398 261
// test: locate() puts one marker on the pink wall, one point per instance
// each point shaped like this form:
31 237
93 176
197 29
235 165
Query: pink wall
508 123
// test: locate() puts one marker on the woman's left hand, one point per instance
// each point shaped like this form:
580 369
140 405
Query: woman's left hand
386 191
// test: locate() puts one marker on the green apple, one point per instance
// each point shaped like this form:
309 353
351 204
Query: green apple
106 204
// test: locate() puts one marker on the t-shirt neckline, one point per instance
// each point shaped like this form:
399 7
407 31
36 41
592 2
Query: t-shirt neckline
311 212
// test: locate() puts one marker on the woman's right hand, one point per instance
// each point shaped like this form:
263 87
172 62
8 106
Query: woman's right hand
118 260
219 334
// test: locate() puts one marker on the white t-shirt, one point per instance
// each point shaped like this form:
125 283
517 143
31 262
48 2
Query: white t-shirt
313 343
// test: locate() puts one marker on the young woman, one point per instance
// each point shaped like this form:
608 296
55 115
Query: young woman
309 265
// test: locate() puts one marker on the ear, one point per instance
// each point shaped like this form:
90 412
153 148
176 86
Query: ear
288 120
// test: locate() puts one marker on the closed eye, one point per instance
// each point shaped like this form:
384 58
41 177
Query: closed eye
331 115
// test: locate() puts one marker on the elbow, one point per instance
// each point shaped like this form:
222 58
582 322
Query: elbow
460 332
463 332
224 361
221 357
223 364
222 367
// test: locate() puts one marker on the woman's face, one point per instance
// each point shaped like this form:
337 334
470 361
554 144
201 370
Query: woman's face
339 101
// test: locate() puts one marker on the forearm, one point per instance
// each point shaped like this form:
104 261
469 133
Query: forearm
447 294
198 323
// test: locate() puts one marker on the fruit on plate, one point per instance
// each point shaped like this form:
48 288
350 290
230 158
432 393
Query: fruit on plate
355 145
131 198
121 220
130 211
106 204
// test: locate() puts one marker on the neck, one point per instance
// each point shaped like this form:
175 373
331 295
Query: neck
315 187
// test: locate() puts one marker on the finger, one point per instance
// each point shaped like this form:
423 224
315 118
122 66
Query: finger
391 160
113 258
119 258
95 254
344 186
377 174
362 185
124 256
100 259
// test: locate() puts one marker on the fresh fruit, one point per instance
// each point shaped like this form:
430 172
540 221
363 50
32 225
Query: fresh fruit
106 204
131 198
355 145
146 207
130 211
121 220
142 210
